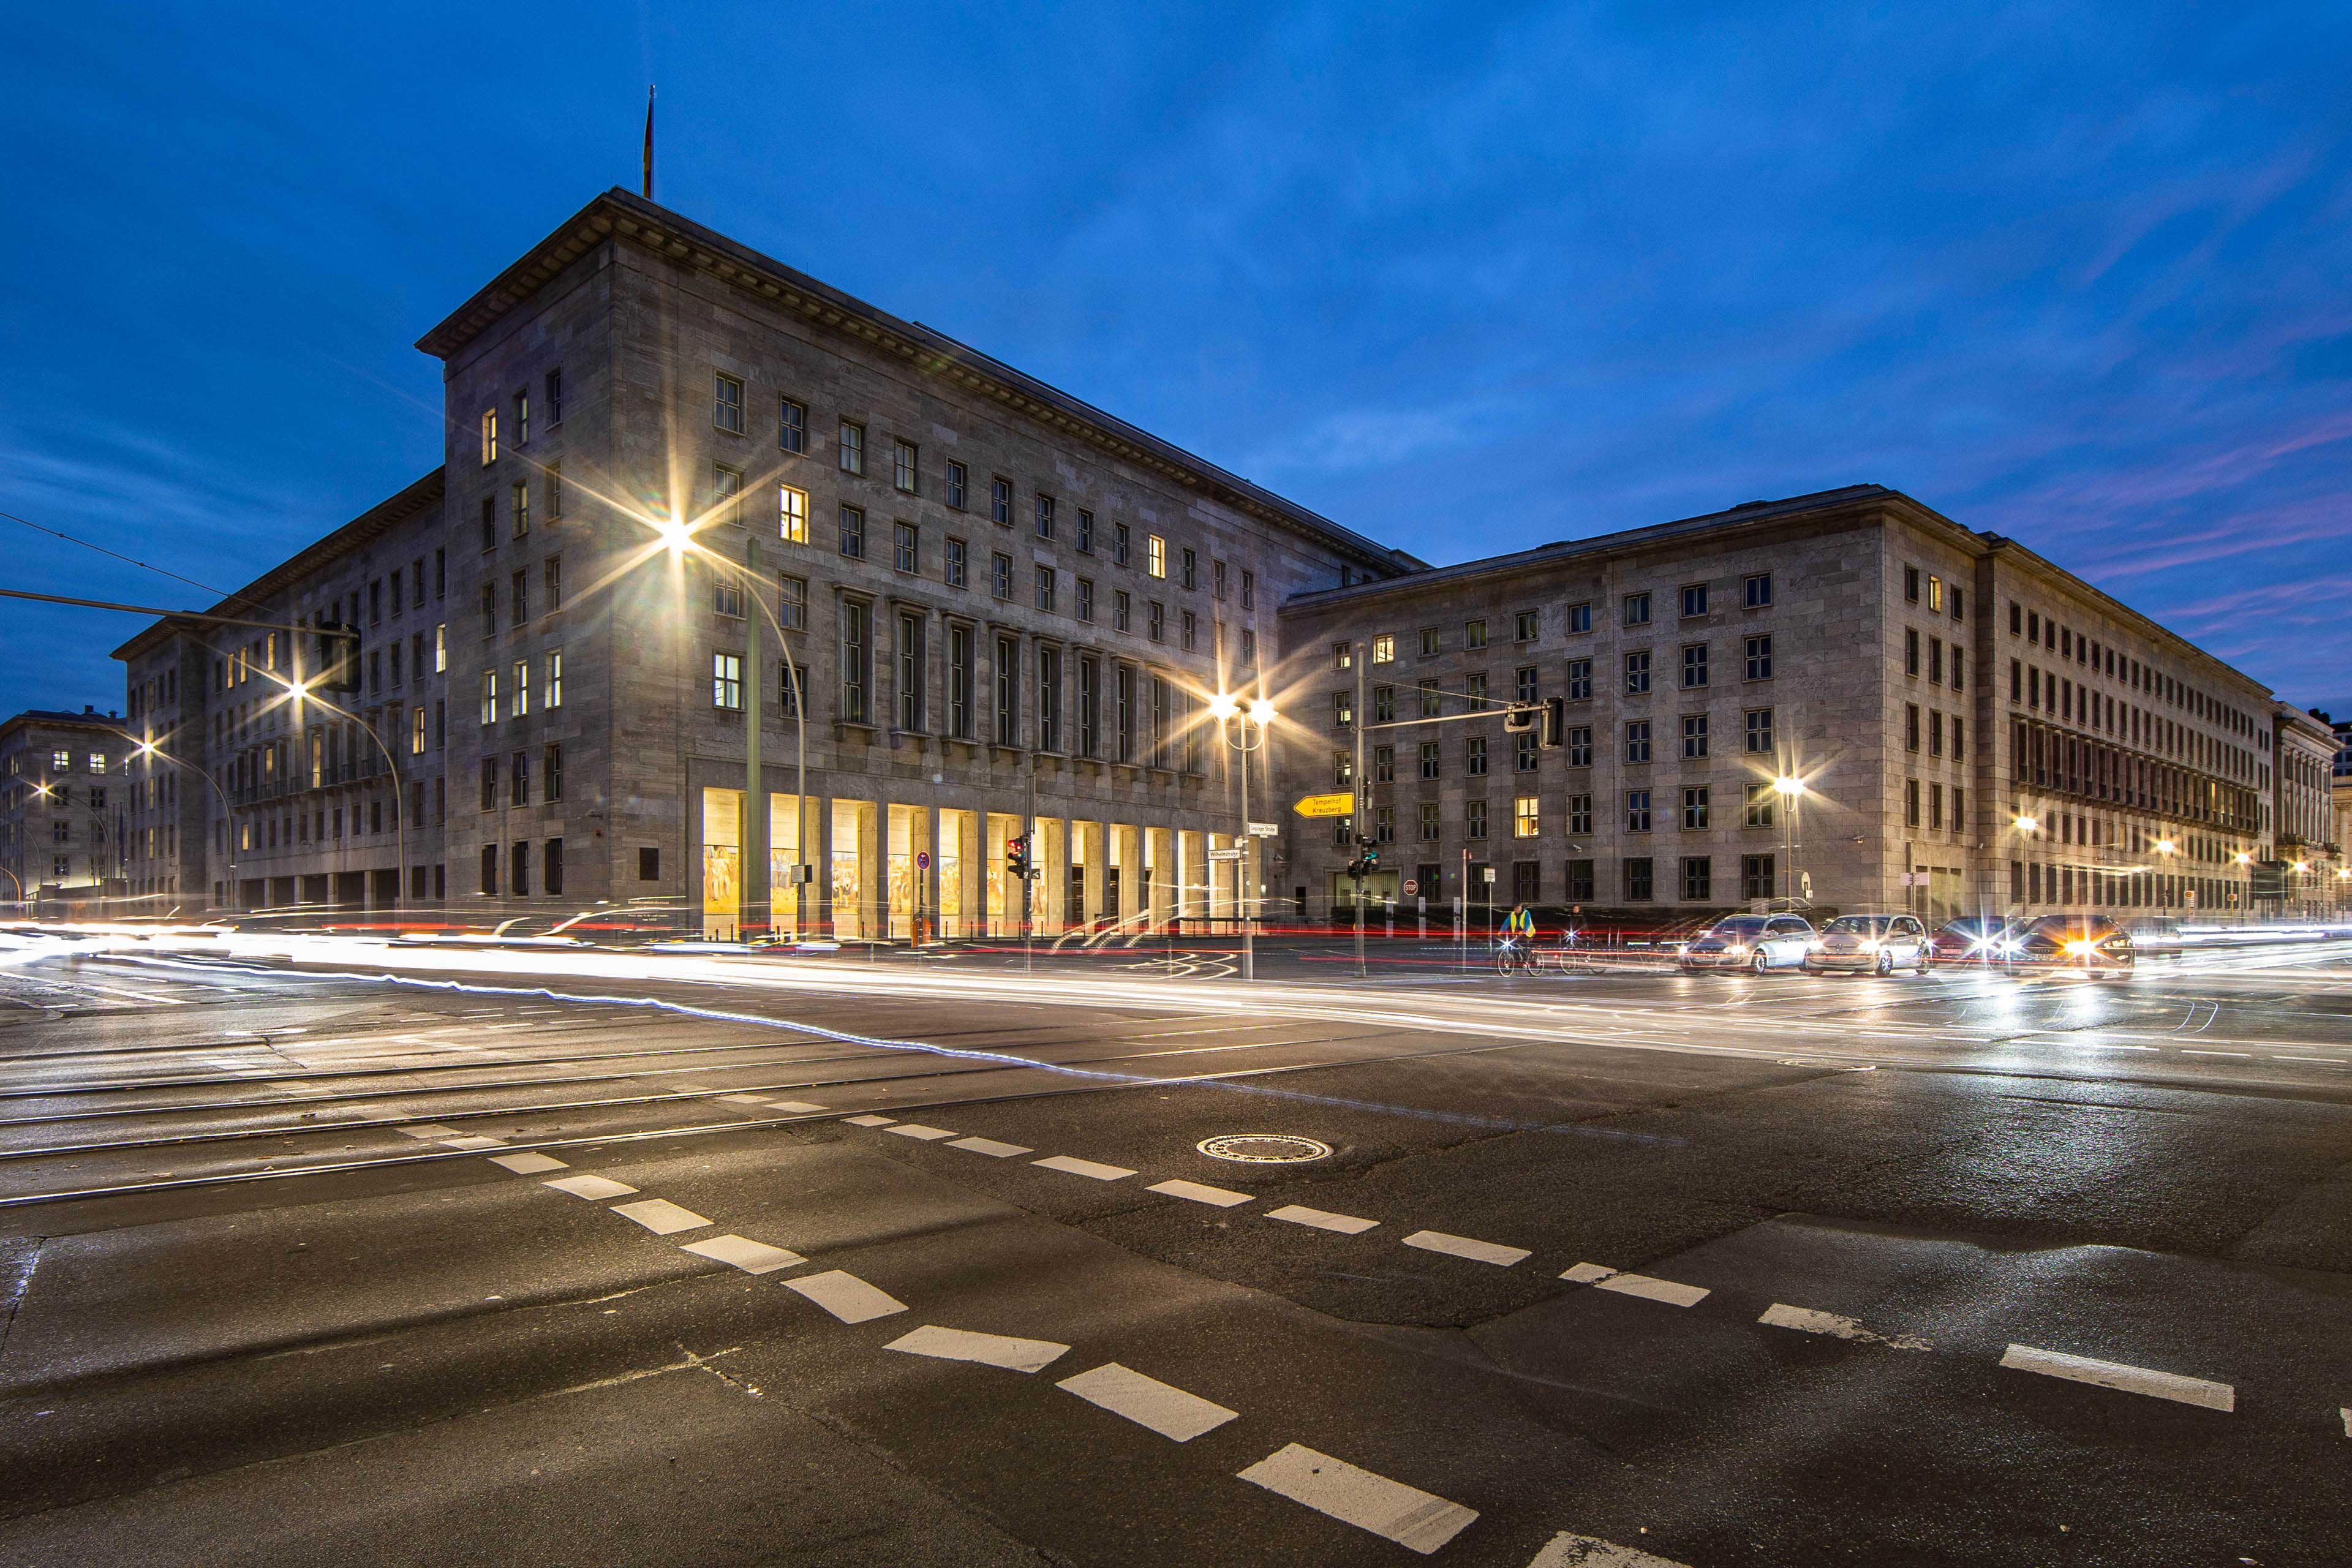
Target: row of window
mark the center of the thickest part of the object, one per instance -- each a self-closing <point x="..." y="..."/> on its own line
<point x="1696" y="740"/>
<point x="517" y="859"/>
<point x="1934" y="820"/>
<point x="518" y="598"/>
<point x="514" y="699"/>
<point x="1760" y="807"/>
<point x="1696" y="674"/>
<point x="1941" y="730"/>
<point x="517" y="787"/>
<point x="906" y="477"/>
<point x="517" y="430"/>
<point x="1119" y="711"/>
<point x="2039" y="689"/>
<point x="2067" y="643"/>
<point x="1527" y="625"/>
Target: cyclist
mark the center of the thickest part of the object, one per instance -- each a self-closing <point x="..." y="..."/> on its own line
<point x="1518" y="946"/>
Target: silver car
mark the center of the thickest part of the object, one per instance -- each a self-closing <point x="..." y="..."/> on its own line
<point x="1880" y="944"/>
<point x="1753" y="943"/>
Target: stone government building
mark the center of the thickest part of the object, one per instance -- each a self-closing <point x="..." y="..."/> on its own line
<point x="989" y="587"/>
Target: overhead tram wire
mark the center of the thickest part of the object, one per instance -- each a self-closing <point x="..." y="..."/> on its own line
<point x="132" y="560"/>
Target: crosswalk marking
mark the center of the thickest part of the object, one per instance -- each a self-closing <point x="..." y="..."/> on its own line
<point x="1345" y="1224"/>
<point x="1148" y="1402"/>
<point x="1195" y="1192"/>
<point x="591" y="1187"/>
<point x="1412" y="1518"/>
<point x="1568" y="1549"/>
<point x="2195" y="1391"/>
<point x="661" y="1216"/>
<point x="1464" y="1246"/>
<point x="990" y="1147"/>
<point x="917" y="1130"/>
<point x="529" y="1164"/>
<point x="741" y="1252"/>
<point x="847" y="1297"/>
<point x="1071" y="1166"/>
<point x="989" y="1350"/>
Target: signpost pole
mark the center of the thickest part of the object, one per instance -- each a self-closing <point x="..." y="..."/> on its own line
<point x="1241" y="871"/>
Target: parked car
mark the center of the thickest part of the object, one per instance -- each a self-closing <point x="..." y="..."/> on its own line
<point x="1754" y="943"/>
<point x="1880" y="944"/>
<point x="1982" y="939"/>
<point x="2091" y="944"/>
<point x="2155" y="937"/>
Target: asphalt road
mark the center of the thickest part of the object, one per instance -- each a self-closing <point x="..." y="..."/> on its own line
<point x="342" y="1254"/>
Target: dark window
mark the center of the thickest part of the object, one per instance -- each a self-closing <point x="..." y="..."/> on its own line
<point x="792" y="427"/>
<point x="959" y="482"/>
<point x="648" y="865"/>
<point x="1637" y="881"/>
<point x="1756" y="593"/>
<point x="1698" y="877"/>
<point x="1694" y="600"/>
<point x="852" y="534"/>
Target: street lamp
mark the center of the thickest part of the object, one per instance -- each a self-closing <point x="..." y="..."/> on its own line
<point x="147" y="748"/>
<point x="1260" y="711"/>
<point x="296" y="692"/>
<point x="1788" y="788"/>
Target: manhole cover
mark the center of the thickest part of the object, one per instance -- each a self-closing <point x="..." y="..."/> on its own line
<point x="1264" y="1148"/>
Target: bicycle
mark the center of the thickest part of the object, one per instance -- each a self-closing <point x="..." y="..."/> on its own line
<point x="1511" y="958"/>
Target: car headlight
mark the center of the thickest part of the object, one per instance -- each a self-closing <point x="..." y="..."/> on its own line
<point x="1812" y="947"/>
<point x="1733" y="950"/>
<point x="1870" y="946"/>
<point x="2082" y="947"/>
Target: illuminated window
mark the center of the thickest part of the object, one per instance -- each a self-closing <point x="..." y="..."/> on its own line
<point x="1155" y="554"/>
<point x="727" y="681"/>
<point x="555" y="678"/>
<point x="1527" y="818"/>
<point x="792" y="515"/>
<point x="1384" y="650"/>
<point x="441" y="648"/>
<point x="518" y="703"/>
<point x="489" y="436"/>
<point x="490" y="696"/>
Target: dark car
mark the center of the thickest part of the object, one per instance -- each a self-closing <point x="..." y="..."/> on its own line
<point x="2090" y="944"/>
<point x="1983" y="940"/>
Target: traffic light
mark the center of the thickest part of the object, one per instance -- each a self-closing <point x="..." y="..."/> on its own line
<point x="1555" y="722"/>
<point x="1016" y="857"/>
<point x="1518" y="719"/>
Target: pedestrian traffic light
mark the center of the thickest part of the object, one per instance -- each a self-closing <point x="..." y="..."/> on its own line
<point x="1016" y="857"/>
<point x="1518" y="720"/>
<point x="1555" y="722"/>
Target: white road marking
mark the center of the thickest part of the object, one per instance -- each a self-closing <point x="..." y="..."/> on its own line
<point x="742" y="1098"/>
<point x="661" y="1216"/>
<point x="798" y="1107"/>
<point x="990" y="1147"/>
<point x="1406" y="1515"/>
<point x="426" y="1134"/>
<point x="591" y="1187"/>
<point x="529" y="1164"/>
<point x="1587" y="1274"/>
<point x="1345" y="1225"/>
<point x="750" y="1257"/>
<point x="2244" y="1056"/>
<point x="917" y="1130"/>
<point x="1075" y="1167"/>
<point x="1464" y="1246"/>
<point x="2195" y="1391"/>
<point x="1804" y="1320"/>
<point x="1568" y="1551"/>
<point x="1649" y="1289"/>
<point x="1195" y="1192"/>
<point x="475" y="1141"/>
<point x="2331" y="1061"/>
<point x="869" y="1120"/>
<point x="1148" y="1402"/>
<point x="2346" y="1413"/>
<point x="847" y="1297"/>
<point x="990" y="1350"/>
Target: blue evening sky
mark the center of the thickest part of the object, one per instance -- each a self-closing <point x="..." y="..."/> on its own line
<point x="1467" y="278"/>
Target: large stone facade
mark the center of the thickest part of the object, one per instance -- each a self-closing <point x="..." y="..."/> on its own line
<point x="1970" y="727"/>
<point x="62" y="804"/>
<point x="676" y="468"/>
<point x="997" y="593"/>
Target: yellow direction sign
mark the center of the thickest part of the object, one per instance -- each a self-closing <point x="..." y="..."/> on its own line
<point x="1338" y="805"/>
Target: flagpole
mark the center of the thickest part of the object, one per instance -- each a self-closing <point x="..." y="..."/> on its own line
<point x="649" y="142"/>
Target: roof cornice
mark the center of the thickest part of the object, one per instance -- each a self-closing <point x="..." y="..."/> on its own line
<point x="617" y="214"/>
<point x="423" y="495"/>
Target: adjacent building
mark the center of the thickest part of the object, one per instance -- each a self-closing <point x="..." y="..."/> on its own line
<point x="727" y="575"/>
<point x="2303" y="879"/>
<point x="62" y="804"/>
<point x="1845" y="698"/>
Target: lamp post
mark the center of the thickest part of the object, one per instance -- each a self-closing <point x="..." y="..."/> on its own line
<point x="299" y="691"/>
<point x="1260" y="712"/>
<point x="1788" y="788"/>
<point x="146" y="750"/>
